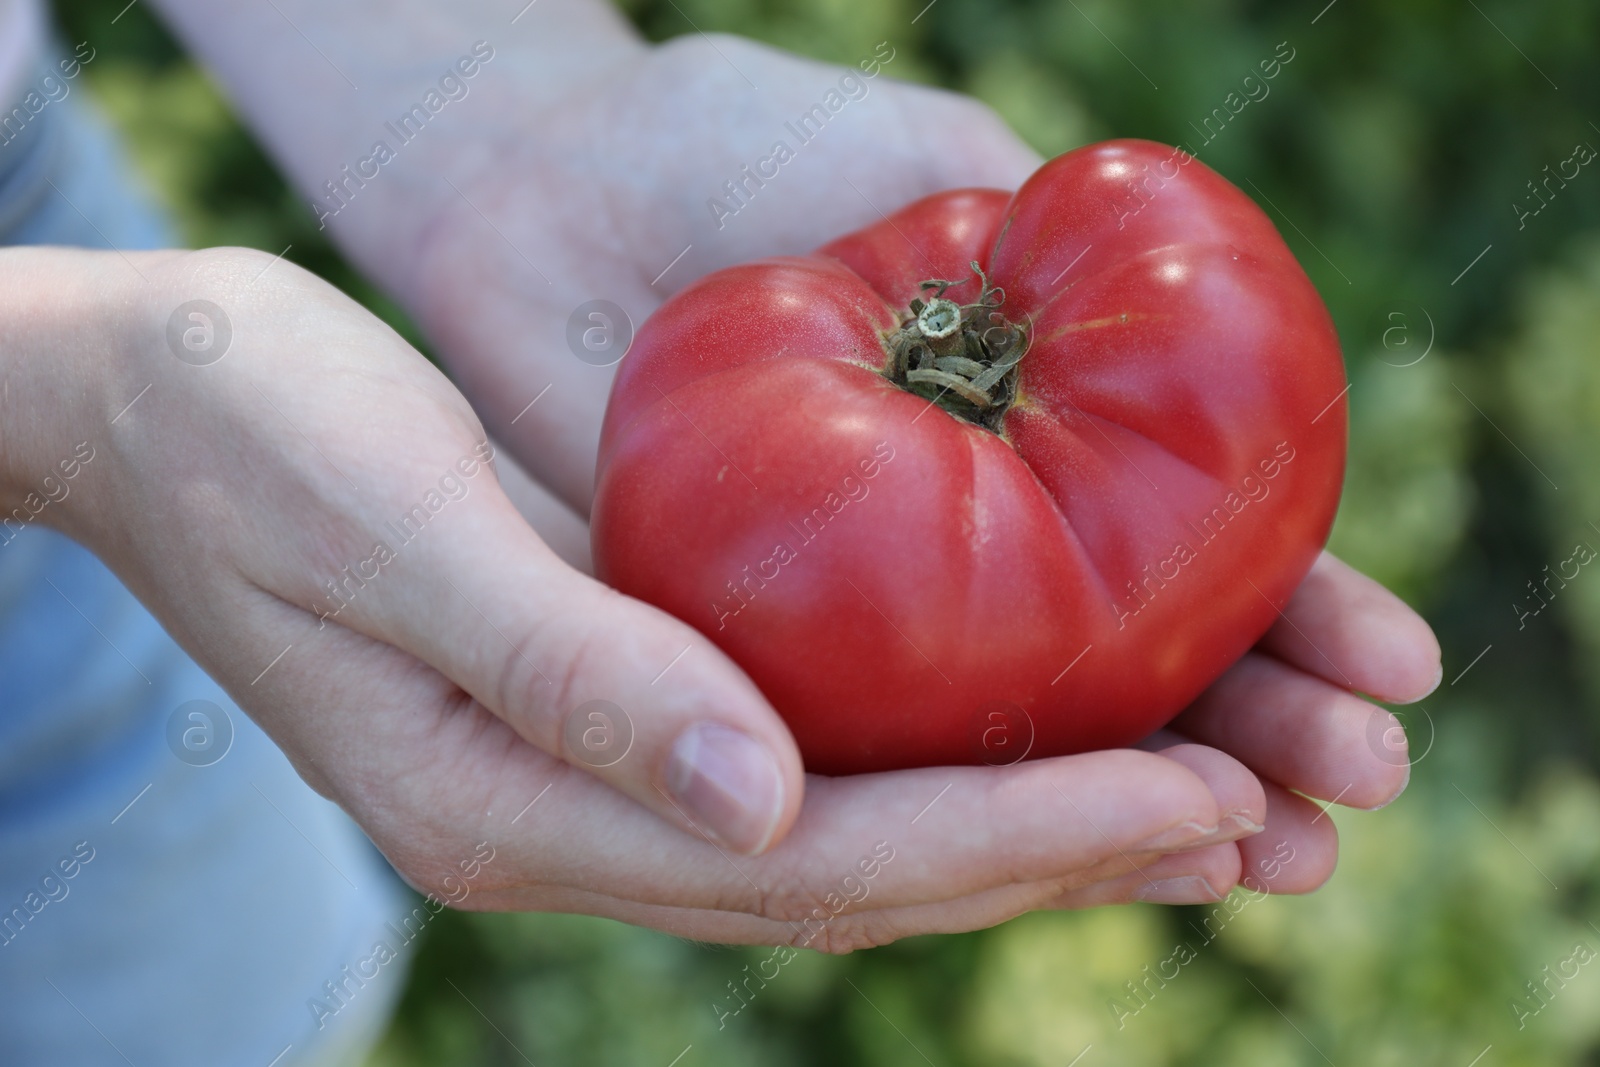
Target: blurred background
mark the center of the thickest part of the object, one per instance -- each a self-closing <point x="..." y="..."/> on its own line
<point x="1395" y="152"/>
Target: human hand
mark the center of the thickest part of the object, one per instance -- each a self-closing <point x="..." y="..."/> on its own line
<point x="576" y="162"/>
<point x="662" y="135"/>
<point x="992" y="843"/>
<point x="433" y="703"/>
<point x="664" y="141"/>
<point x="557" y="195"/>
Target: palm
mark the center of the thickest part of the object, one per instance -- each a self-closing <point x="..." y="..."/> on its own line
<point x="596" y="195"/>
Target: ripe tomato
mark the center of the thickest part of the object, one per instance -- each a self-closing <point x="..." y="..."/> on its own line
<point x="1001" y="475"/>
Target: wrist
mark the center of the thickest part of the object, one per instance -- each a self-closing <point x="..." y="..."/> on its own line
<point x="54" y="329"/>
<point x="72" y="364"/>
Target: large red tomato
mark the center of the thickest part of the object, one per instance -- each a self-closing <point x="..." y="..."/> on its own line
<point x="1035" y="510"/>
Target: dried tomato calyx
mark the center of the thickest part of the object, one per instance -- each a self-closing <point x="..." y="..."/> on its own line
<point x="962" y="357"/>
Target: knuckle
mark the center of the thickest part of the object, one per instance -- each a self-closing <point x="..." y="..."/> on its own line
<point x="537" y="700"/>
<point x="220" y="269"/>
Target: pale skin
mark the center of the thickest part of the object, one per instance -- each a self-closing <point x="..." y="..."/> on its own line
<point x="432" y="707"/>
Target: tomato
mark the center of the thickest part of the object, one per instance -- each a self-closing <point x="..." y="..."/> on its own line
<point x="1035" y="512"/>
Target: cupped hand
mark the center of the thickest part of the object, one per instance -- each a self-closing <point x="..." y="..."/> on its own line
<point x="873" y="858"/>
<point x="430" y="691"/>
<point x="634" y="157"/>
<point x="302" y="501"/>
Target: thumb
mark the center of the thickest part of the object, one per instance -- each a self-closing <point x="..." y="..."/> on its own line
<point x="604" y="682"/>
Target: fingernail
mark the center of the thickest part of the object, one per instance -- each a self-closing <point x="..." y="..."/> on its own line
<point x="1230" y="827"/>
<point x="1186" y="833"/>
<point x="1187" y="889"/>
<point x="728" y="783"/>
<point x="1238" y="823"/>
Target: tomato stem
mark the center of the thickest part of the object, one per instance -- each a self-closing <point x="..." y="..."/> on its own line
<point x="962" y="357"/>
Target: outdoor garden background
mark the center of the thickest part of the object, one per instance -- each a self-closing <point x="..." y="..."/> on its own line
<point x="1390" y="153"/>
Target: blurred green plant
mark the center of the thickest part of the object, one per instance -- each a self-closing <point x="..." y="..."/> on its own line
<point x="1408" y="494"/>
<point x="1391" y="152"/>
<point x="1551" y="373"/>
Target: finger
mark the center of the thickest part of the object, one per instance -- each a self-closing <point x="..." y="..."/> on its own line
<point x="967" y="831"/>
<point x="1301" y="732"/>
<point x="1296" y="853"/>
<point x="929" y="836"/>
<point x="601" y="681"/>
<point x="1200" y="877"/>
<point x="1344" y="627"/>
<point x="555" y="844"/>
<point x="920" y="837"/>
<point x="411" y="741"/>
<point x="1203" y="876"/>
<point x="1240" y="800"/>
<point x="943" y="833"/>
<point x="461" y="775"/>
<point x="833" y="933"/>
<point x="852" y="926"/>
<point x="957" y="831"/>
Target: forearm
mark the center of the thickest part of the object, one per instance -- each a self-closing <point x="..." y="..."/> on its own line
<point x="323" y="82"/>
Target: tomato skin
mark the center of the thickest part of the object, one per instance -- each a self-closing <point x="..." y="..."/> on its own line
<point x="887" y="572"/>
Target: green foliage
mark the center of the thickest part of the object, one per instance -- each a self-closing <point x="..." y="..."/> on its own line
<point x="1390" y="152"/>
<point x="1551" y="373"/>
<point x="1408" y="494"/>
